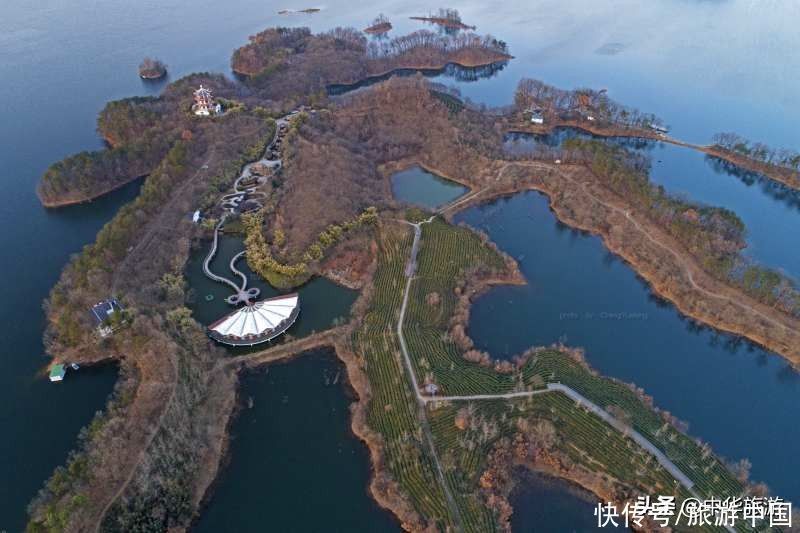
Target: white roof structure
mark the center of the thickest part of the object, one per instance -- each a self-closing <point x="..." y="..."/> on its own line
<point x="258" y="322"/>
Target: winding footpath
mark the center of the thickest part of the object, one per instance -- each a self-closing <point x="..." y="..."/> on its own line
<point x="212" y="253"/>
<point x="424" y="399"/>
<point x="229" y="203"/>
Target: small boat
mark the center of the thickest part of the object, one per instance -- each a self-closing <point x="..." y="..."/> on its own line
<point x="74" y="366"/>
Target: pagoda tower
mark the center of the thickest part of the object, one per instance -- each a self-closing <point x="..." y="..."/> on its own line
<point x="204" y="102"/>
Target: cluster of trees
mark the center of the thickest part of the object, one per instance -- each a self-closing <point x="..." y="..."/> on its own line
<point x="89" y="174"/>
<point x="435" y="43"/>
<point x="766" y="285"/>
<point x="379" y="25"/>
<point x="449" y="19"/>
<point x="782" y="157"/>
<point x="152" y="68"/>
<point x="714" y="235"/>
<point x="124" y="121"/>
<point x="579" y="103"/>
<point x="268" y="49"/>
<point x="448" y="14"/>
<point x="261" y="260"/>
<point x="308" y="63"/>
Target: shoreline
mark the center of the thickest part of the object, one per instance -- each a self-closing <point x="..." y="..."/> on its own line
<point x="51" y="204"/>
<point x="646" y="264"/>
<point x="438" y="67"/>
<point x="781" y="175"/>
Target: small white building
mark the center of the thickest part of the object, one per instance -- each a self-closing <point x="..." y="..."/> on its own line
<point x="537" y="115"/>
<point x="57" y="373"/>
<point x="431" y="389"/>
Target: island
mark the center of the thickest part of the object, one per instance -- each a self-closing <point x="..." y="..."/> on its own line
<point x="380" y="25"/>
<point x="152" y="69"/>
<point x="449" y="19"/>
<point x="445" y="423"/>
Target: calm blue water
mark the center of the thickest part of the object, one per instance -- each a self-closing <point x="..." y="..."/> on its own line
<point x="322" y="302"/>
<point x="703" y="66"/>
<point x="417" y="186"/>
<point x="546" y="505"/>
<point x="736" y="396"/>
<point x="767" y="209"/>
<point x="295" y="465"/>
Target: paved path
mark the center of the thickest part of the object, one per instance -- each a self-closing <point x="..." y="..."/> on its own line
<point x="423" y="399"/>
<point x="238" y="272"/>
<point x="230" y="209"/>
<point x="285" y="349"/>
<point x="637" y="437"/>
<point x="211" y="253"/>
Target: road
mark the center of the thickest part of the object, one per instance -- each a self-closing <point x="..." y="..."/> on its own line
<point x="424" y="399"/>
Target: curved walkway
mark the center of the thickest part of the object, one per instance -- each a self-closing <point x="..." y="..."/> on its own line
<point x="238" y="272"/>
<point x="211" y="253"/>
<point x="229" y="202"/>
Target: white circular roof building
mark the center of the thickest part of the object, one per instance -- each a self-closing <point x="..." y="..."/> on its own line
<point x="257" y="322"/>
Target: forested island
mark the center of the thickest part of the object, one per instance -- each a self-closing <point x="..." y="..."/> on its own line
<point x="380" y="25"/>
<point x="445" y="423"/>
<point x="449" y="19"/>
<point x="152" y="69"/>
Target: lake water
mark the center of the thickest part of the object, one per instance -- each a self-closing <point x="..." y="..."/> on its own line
<point x="295" y="465"/>
<point x="733" y="395"/>
<point x="546" y="505"/>
<point x="764" y="206"/>
<point x="702" y="66"/>
<point x="419" y="187"/>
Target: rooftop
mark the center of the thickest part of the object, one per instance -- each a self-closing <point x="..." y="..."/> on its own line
<point x="258" y="322"/>
<point x="102" y="311"/>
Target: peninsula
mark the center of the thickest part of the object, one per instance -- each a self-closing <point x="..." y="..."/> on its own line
<point x="444" y="422"/>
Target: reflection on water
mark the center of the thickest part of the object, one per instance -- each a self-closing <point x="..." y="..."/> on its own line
<point x="543" y="504"/>
<point x="417" y="186"/>
<point x="322" y="302"/>
<point x="702" y="66"/>
<point x="294" y="463"/>
<point x="765" y="210"/>
<point x="450" y="72"/>
<point x="575" y="294"/>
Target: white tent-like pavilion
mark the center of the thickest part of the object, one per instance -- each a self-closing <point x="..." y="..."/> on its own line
<point x="258" y="322"/>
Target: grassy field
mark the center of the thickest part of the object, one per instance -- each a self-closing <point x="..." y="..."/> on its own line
<point x="447" y="256"/>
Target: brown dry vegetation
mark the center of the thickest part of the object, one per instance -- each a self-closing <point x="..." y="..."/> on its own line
<point x="149" y="461"/>
<point x="292" y="63"/>
<point x="139" y="131"/>
<point x="332" y="168"/>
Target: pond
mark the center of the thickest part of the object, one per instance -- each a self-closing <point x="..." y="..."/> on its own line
<point x="734" y="395"/>
<point x="419" y="187"/>
<point x="295" y="465"/>
<point x="323" y="303"/>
